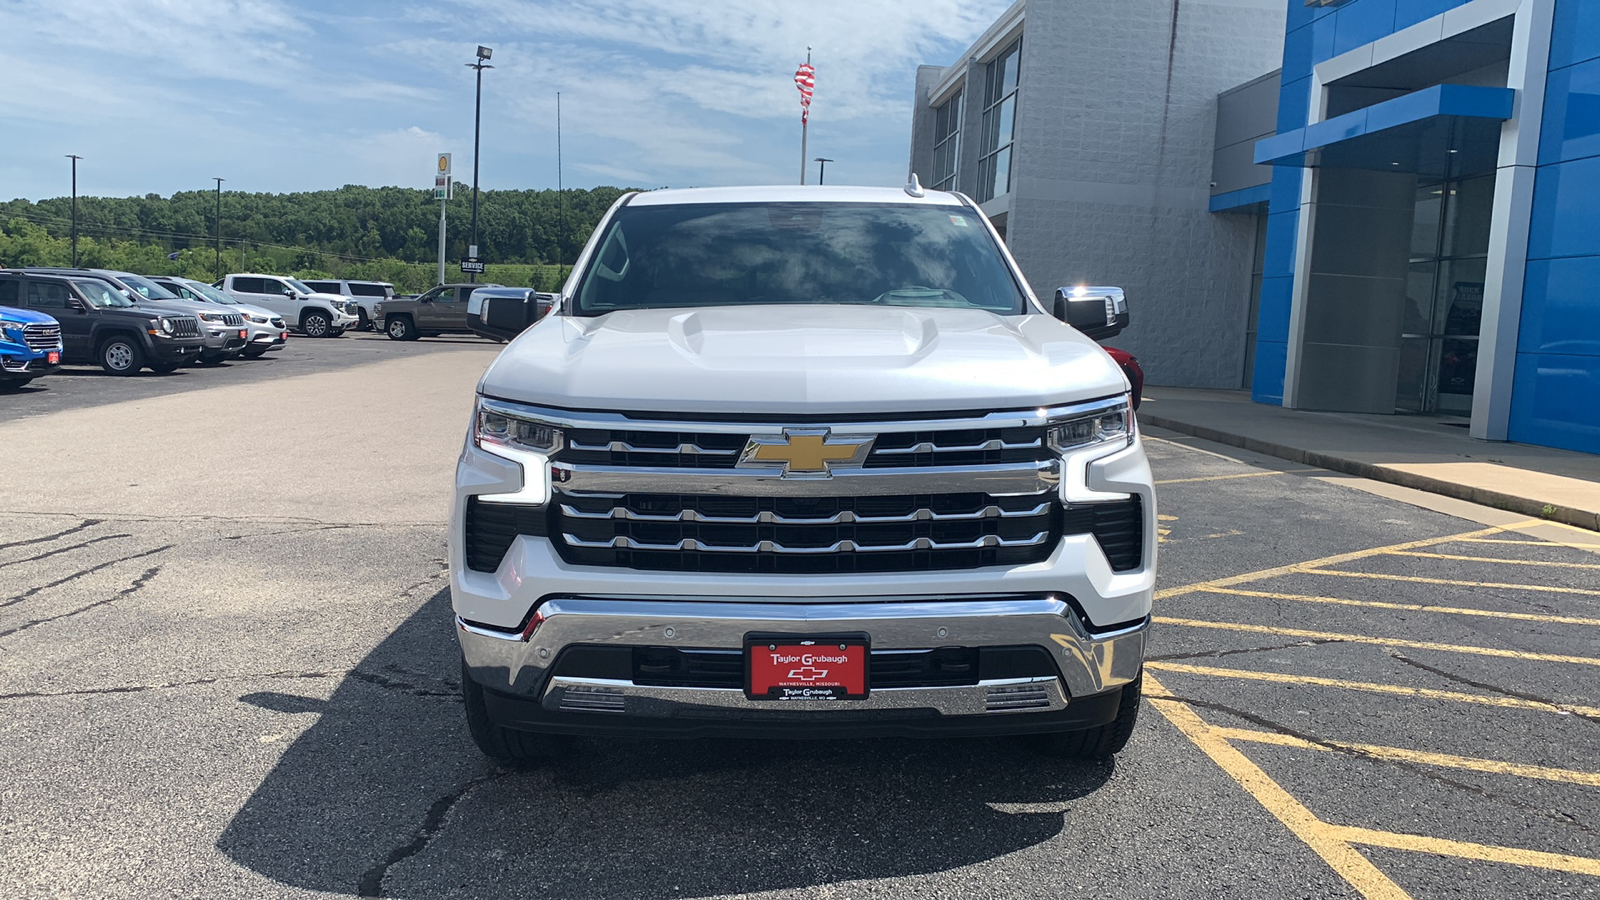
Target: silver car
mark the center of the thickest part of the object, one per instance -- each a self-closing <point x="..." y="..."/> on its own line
<point x="267" y="329"/>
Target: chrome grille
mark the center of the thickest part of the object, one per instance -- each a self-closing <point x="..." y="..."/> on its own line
<point x="42" y="337"/>
<point x="802" y="534"/>
<point x="277" y="322"/>
<point x="233" y="319"/>
<point x="719" y="450"/>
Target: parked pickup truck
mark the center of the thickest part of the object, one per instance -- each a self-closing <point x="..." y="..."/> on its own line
<point x="30" y="342"/>
<point x="441" y="310"/>
<point x="803" y="462"/>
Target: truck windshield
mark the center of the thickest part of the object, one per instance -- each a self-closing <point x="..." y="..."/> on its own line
<point x="729" y="254"/>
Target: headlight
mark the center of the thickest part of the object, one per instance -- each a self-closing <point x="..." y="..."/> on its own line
<point x="1087" y="437"/>
<point x="1098" y="427"/>
<point x="259" y="320"/>
<point x="377" y="308"/>
<point x="12" y="332"/>
<point x="527" y="442"/>
<point x="166" y="326"/>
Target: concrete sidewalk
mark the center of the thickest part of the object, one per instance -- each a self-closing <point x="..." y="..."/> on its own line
<point x="1414" y="451"/>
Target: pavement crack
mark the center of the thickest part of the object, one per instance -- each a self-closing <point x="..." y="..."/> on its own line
<point x="405" y="687"/>
<point x="371" y="883"/>
<point x="307" y="529"/>
<point x="10" y="601"/>
<point x="1216" y="654"/>
<point x="166" y="685"/>
<point x="68" y="549"/>
<point x="137" y="585"/>
<point x="1485" y="686"/>
<point x="86" y="523"/>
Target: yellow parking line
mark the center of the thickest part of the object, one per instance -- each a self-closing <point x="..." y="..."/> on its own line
<point x="1408" y="607"/>
<point x="1195" y="449"/>
<point x="1503" y="702"/>
<point x="1488" y="559"/>
<point x="1380" y="641"/>
<point x="1400" y="754"/>
<point x="1335" y="560"/>
<point x="1231" y="477"/>
<point x="1418" y="579"/>
<point x="1559" y="862"/>
<point x="1321" y="837"/>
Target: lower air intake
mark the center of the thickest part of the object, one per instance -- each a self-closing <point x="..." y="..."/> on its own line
<point x="593" y="699"/>
<point x="1022" y="697"/>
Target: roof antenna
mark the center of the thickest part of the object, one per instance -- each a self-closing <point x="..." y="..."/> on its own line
<point x="914" y="187"/>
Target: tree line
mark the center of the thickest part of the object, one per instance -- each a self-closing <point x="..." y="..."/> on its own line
<point x="386" y="234"/>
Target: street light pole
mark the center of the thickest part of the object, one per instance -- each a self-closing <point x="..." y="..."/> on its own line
<point x="822" y="169"/>
<point x="477" y="118"/>
<point x="74" y="159"/>
<point x="219" y="226"/>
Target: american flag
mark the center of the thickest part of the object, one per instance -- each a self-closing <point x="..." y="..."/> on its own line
<point x="805" y="78"/>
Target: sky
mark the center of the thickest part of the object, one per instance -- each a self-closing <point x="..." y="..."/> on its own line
<point x="159" y="96"/>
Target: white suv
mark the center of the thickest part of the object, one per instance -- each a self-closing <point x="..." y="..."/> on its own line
<point x="366" y="294"/>
<point x="316" y="314"/>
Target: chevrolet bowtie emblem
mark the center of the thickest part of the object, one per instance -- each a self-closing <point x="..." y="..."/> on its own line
<point x="806" y="452"/>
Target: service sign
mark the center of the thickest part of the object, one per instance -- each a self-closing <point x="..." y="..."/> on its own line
<point x="472" y="266"/>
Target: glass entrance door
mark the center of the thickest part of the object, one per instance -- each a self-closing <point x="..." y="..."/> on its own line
<point x="1444" y="296"/>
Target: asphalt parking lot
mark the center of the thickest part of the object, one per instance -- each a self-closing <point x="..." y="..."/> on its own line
<point x="227" y="669"/>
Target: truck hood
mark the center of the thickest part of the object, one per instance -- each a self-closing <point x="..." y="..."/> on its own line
<point x="14" y="316"/>
<point x="801" y="361"/>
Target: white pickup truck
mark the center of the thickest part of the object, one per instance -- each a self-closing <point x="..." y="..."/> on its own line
<point x="803" y="462"/>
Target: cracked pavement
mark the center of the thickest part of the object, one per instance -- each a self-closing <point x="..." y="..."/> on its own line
<point x="248" y="686"/>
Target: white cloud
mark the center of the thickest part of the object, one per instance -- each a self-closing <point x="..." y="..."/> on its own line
<point x="293" y="94"/>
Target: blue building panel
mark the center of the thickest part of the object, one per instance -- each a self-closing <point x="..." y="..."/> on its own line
<point x="1294" y="104"/>
<point x="1266" y="383"/>
<point x="1360" y="22"/>
<point x="1560" y="309"/>
<point x="1283" y="230"/>
<point x="1286" y="184"/>
<point x="1277" y="298"/>
<point x="1566" y="216"/>
<point x="1409" y="12"/>
<point x="1571" y="114"/>
<point x="1306" y="46"/>
<point x="1553" y="403"/>
<point x="1576" y="37"/>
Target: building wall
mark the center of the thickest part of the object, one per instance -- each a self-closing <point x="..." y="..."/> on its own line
<point x="1314" y="34"/>
<point x="1112" y="169"/>
<point x="1556" y="398"/>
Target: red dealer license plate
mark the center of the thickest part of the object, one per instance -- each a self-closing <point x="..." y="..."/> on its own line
<point x="53" y="358"/>
<point x="808" y="667"/>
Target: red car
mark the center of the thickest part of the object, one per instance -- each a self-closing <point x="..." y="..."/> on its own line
<point x="1130" y="367"/>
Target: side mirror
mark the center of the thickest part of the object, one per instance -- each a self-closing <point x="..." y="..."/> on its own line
<point x="1098" y="312"/>
<point x="507" y="317"/>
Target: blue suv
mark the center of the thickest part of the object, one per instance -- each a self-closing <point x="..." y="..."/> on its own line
<point x="30" y="346"/>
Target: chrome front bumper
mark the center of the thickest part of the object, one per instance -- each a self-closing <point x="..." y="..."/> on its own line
<point x="1088" y="664"/>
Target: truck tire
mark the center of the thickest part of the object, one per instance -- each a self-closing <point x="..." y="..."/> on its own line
<point x="504" y="744"/>
<point x="120" y="354"/>
<point x="400" y="328"/>
<point x="316" y="324"/>
<point x="1103" y="741"/>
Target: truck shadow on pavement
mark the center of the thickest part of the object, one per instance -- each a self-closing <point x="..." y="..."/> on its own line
<point x="385" y="795"/>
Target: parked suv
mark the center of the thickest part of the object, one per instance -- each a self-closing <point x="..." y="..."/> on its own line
<point x="101" y="325"/>
<point x="803" y="462"/>
<point x="442" y="310"/>
<point x="366" y="294"/>
<point x="30" y="342"/>
<point x="265" y="328"/>
<point x="316" y="314"/>
<point x="223" y="331"/>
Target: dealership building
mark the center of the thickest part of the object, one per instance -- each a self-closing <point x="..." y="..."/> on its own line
<point x="1379" y="206"/>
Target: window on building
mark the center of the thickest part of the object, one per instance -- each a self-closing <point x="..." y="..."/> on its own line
<point x="999" y="116"/>
<point x="946" y="143"/>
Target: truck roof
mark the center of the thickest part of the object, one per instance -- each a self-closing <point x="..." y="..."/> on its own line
<point x="793" y="194"/>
